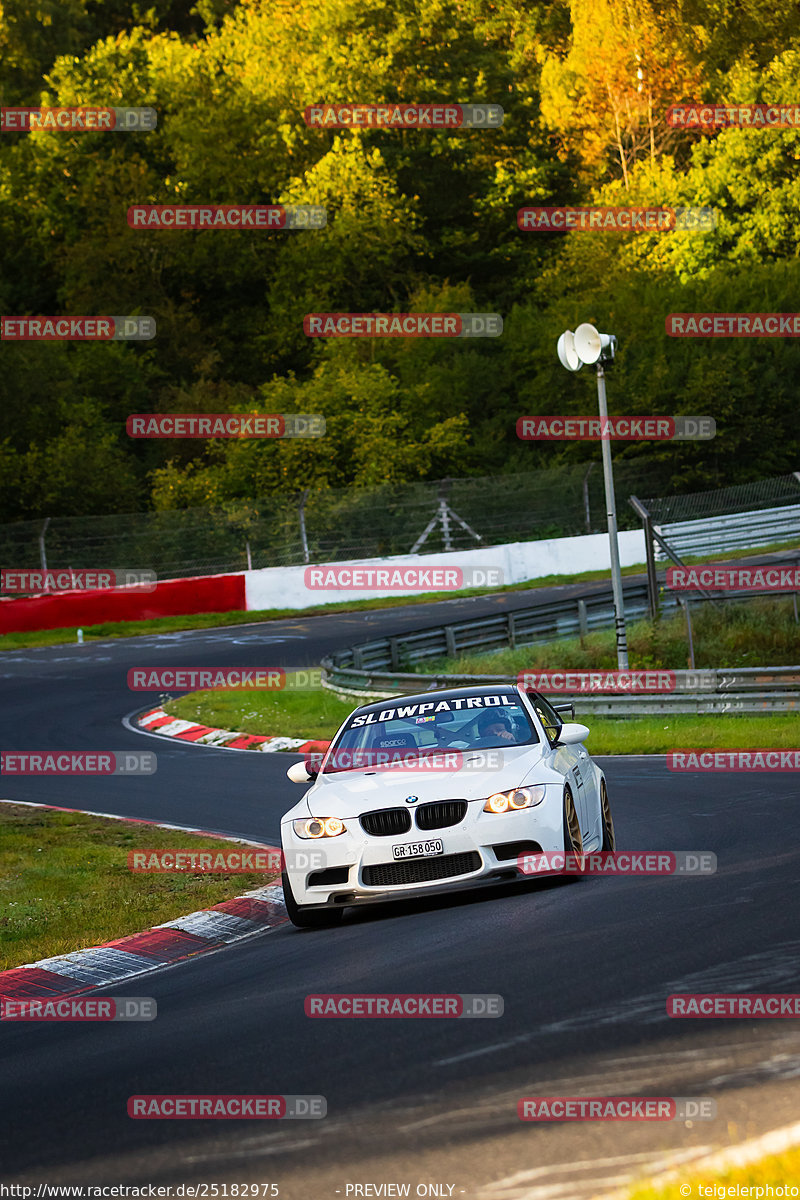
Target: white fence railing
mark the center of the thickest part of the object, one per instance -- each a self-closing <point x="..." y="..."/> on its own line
<point x="734" y="531"/>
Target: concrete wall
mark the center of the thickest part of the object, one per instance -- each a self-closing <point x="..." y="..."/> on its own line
<point x="285" y="587"/>
<point x="169" y="598"/>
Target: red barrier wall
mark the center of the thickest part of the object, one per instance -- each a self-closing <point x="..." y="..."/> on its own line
<point x="170" y="598"/>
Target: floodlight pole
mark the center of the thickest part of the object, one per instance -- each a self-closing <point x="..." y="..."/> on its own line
<point x="611" y="508"/>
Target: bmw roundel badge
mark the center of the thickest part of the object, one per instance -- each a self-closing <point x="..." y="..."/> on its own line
<point x="412" y="799"/>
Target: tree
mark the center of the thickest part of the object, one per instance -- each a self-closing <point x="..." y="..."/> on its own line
<point x="624" y="66"/>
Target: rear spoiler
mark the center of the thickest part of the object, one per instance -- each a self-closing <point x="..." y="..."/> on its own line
<point x="570" y="708"/>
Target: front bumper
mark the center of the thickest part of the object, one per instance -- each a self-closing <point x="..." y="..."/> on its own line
<point x="358" y="868"/>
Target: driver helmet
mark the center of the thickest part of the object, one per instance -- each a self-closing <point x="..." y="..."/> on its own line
<point x="487" y="719"/>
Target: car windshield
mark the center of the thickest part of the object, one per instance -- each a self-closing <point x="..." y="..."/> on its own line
<point x="400" y="732"/>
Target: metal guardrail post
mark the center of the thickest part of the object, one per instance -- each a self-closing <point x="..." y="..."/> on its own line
<point x="301" y="512"/>
<point x="685" y="605"/>
<point x="680" y="563"/>
<point x="42" y="555"/>
<point x="650" y="555"/>
<point x="586" y="509"/>
<point x="583" y="619"/>
<point x="450" y="638"/>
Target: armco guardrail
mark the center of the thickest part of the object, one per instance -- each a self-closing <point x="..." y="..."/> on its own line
<point x="375" y="668"/>
<point x="734" y="531"/>
<point x="541" y="622"/>
<point x="753" y="690"/>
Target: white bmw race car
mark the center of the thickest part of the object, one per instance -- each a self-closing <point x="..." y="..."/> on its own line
<point x="442" y="790"/>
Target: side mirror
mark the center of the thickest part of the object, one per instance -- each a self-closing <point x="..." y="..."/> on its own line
<point x="571" y="733"/>
<point x="299" y="773"/>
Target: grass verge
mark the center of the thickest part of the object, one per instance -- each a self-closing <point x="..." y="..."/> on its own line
<point x="751" y="633"/>
<point x="306" y="713"/>
<point x="317" y="713"/>
<point x="65" y="883"/>
<point x="777" y="1170"/>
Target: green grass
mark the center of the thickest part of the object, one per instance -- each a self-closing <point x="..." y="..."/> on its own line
<point x="777" y="1170"/>
<point x="306" y="713"/>
<point x="687" y="731"/>
<point x="123" y="629"/>
<point x="65" y="883"/>
<point x="753" y="633"/>
<point x="318" y="713"/>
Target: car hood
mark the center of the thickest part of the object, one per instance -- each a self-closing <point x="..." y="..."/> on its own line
<point x="351" y="793"/>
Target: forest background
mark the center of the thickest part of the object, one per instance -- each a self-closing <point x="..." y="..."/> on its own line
<point x="417" y="221"/>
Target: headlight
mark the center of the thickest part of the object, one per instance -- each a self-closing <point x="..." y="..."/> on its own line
<point x="318" y="827"/>
<point x="525" y="797"/>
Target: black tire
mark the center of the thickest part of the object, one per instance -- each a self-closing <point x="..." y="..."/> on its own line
<point x="573" y="841"/>
<point x="609" y="841"/>
<point x="308" y="918"/>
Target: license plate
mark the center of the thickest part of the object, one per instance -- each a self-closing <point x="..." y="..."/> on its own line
<point x="418" y="849"/>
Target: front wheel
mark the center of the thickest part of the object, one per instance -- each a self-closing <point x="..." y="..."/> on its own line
<point x="606" y="818"/>
<point x="308" y="918"/>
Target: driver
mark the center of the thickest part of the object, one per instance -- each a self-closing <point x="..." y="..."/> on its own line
<point x="494" y="727"/>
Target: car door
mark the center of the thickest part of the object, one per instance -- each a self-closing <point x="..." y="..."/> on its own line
<point x="571" y="761"/>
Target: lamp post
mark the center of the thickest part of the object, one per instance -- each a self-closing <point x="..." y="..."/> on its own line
<point x="588" y="346"/>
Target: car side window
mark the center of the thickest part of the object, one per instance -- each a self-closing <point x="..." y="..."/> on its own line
<point x="548" y="716"/>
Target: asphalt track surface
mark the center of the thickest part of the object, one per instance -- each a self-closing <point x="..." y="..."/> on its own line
<point x="584" y="968"/>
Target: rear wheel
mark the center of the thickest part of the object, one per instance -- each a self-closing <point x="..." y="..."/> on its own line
<point x="308" y="918"/>
<point x="607" y="819"/>
<point x="573" y="842"/>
